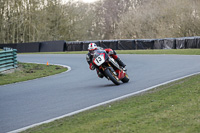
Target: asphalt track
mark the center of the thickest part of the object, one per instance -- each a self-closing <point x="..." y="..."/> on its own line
<point x="27" y="103"/>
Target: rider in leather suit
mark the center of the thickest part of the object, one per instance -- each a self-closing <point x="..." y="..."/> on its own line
<point x="92" y="47"/>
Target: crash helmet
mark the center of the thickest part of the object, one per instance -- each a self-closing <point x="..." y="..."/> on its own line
<point x="92" y="47"/>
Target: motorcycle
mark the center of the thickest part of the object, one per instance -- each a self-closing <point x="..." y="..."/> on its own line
<point x="109" y="67"/>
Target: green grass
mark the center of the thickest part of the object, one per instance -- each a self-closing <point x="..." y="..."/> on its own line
<point x="163" y="51"/>
<point x="28" y="71"/>
<point x="172" y="108"/>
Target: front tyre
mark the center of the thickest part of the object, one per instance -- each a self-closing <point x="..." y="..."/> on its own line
<point x="112" y="77"/>
<point x="125" y="79"/>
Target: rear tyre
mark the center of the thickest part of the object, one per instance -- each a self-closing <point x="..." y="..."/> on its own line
<point x="112" y="77"/>
<point x="125" y="79"/>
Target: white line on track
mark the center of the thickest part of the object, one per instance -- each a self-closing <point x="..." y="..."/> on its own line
<point x="103" y="103"/>
<point x="68" y="67"/>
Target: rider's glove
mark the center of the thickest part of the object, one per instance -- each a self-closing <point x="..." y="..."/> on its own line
<point x="91" y="67"/>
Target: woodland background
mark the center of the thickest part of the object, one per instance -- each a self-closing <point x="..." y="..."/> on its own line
<point x="45" y="20"/>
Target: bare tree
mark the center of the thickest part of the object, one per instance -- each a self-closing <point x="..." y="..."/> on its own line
<point x="161" y="19"/>
<point x="42" y="20"/>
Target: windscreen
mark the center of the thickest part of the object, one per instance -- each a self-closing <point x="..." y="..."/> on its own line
<point x="98" y="52"/>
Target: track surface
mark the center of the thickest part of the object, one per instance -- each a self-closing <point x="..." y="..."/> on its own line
<point x="26" y="103"/>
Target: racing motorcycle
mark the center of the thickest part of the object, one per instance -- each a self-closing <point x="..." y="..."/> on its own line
<point x="109" y="67"/>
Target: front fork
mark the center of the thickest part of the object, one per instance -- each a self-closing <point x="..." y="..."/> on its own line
<point x="109" y="67"/>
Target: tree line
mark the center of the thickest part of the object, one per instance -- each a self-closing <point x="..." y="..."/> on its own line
<point x="46" y="20"/>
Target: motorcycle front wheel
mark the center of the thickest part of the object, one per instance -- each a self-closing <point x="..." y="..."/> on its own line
<point x="125" y="79"/>
<point x="111" y="76"/>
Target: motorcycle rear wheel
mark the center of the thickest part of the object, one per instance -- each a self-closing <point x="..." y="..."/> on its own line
<point x="111" y="76"/>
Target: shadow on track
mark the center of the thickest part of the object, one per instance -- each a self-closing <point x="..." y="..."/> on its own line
<point x="110" y="85"/>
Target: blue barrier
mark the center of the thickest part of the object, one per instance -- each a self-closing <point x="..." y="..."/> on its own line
<point x="8" y="59"/>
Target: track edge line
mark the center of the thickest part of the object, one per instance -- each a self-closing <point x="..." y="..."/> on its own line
<point x="100" y="104"/>
<point x="68" y="67"/>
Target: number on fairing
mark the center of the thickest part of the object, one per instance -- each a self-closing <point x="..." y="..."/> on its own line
<point x="99" y="60"/>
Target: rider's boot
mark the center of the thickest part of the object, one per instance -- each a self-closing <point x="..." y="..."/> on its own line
<point x="119" y="61"/>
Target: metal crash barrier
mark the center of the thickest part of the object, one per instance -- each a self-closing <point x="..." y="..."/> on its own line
<point x="8" y="59"/>
<point x="125" y="44"/>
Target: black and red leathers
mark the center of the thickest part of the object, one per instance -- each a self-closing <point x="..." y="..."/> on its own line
<point x="111" y="52"/>
<point x="89" y="57"/>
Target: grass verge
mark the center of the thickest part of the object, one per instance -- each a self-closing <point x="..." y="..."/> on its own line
<point x="28" y="71"/>
<point x="173" y="108"/>
<point x="160" y="51"/>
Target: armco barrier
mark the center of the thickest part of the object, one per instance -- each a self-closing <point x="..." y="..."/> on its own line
<point x="113" y="44"/>
<point x="180" y="43"/>
<point x="169" y="43"/>
<point x="198" y="41"/>
<point x="74" y="46"/>
<point x="28" y="47"/>
<point x="13" y="46"/>
<point x="52" y="46"/>
<point x="8" y="59"/>
<point x="125" y="44"/>
<point x="158" y="44"/>
<point x="190" y="42"/>
<point x="144" y="43"/>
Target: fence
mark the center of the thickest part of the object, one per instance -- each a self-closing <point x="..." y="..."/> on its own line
<point x="8" y="59"/>
<point x="126" y="44"/>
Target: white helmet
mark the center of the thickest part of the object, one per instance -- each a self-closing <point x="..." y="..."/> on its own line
<point x="92" y="46"/>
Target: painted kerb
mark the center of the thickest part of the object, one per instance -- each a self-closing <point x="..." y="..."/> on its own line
<point x="8" y="59"/>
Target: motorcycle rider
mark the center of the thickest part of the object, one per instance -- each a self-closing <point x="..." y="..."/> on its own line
<point x="92" y="47"/>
